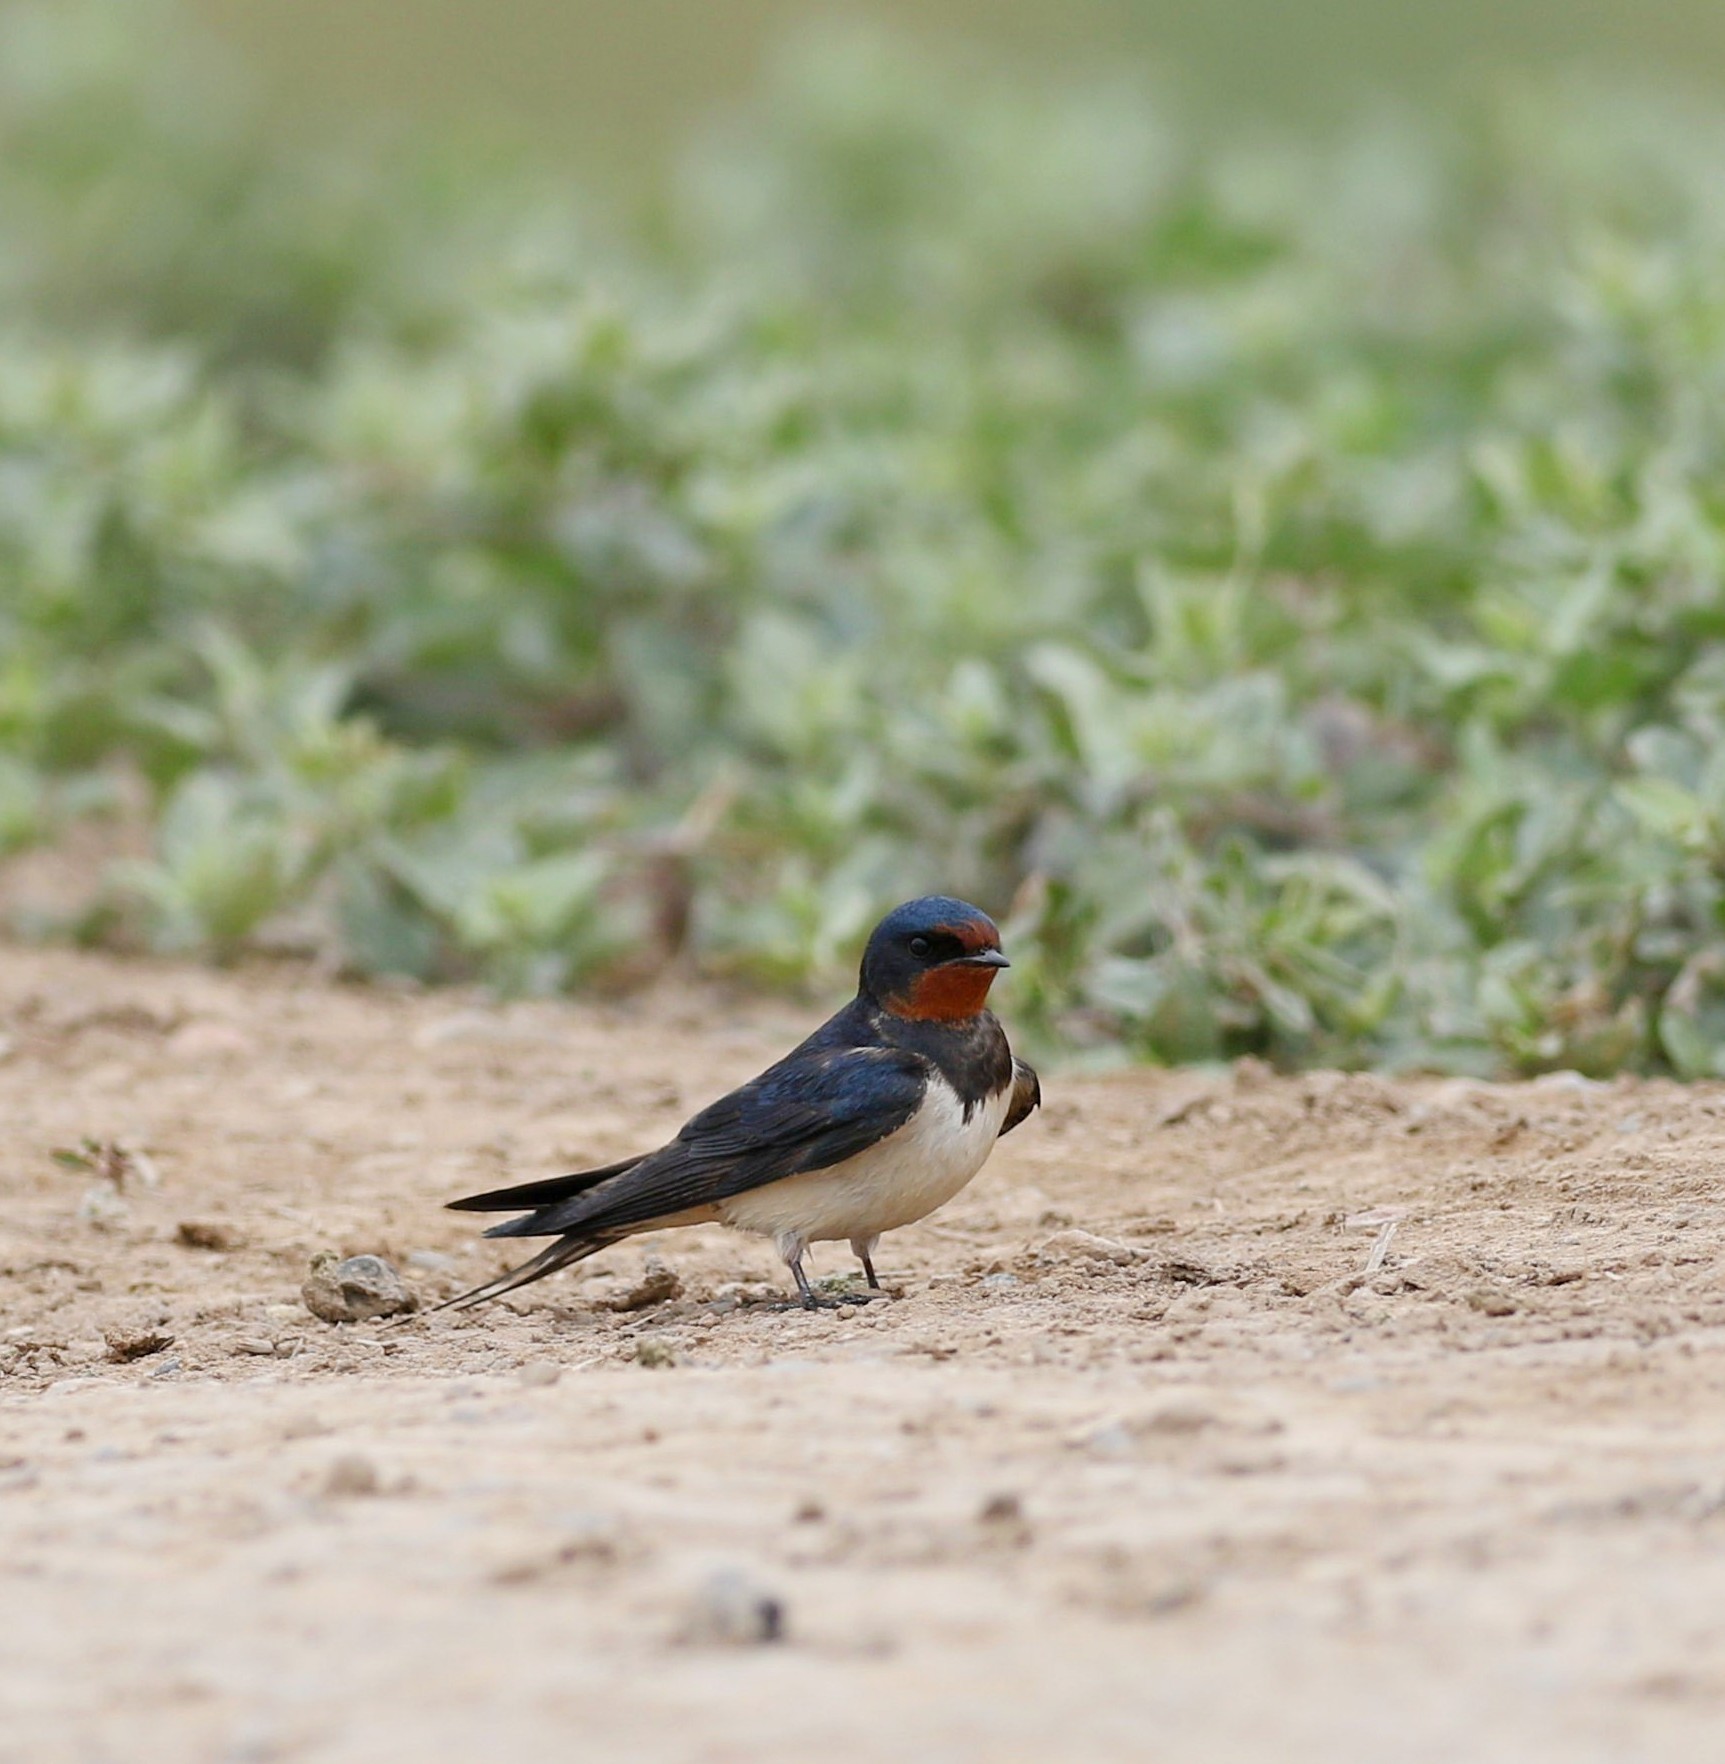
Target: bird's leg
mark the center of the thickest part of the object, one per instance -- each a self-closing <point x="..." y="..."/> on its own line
<point x="863" y="1249"/>
<point x="792" y="1251"/>
<point x="822" y="1301"/>
<point x="792" y="1246"/>
<point x="804" y="1290"/>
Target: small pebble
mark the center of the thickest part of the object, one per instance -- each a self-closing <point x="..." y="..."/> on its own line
<point x="732" y="1609"/>
<point x="657" y="1284"/>
<point x="1109" y="1441"/>
<point x="359" y="1287"/>
<point x="1003" y="1523"/>
<point x="102" y="1209"/>
<point x="746" y="1292"/>
<point x="207" y="1038"/>
<point x="349" y="1476"/>
<point x="205" y="1234"/>
<point x="134" y="1344"/>
<point x="462" y="1026"/>
<point x="540" y="1374"/>
<point x="1086" y="1246"/>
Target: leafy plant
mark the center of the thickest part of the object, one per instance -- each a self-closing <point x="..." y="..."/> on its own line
<point x="1285" y="584"/>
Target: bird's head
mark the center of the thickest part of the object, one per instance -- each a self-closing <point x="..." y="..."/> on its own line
<point x="932" y="960"/>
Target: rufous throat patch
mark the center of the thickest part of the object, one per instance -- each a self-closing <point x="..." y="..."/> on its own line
<point x="946" y="994"/>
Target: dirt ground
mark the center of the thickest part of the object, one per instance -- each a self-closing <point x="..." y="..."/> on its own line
<point x="1255" y="1476"/>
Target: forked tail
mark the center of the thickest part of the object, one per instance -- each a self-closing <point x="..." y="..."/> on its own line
<point x="554" y="1256"/>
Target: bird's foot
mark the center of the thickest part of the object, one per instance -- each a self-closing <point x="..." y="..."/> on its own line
<point x="835" y="1294"/>
<point x="833" y="1301"/>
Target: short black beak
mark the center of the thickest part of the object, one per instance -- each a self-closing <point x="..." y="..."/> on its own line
<point x="984" y="958"/>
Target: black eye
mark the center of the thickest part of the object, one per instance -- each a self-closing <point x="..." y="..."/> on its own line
<point x="919" y="946"/>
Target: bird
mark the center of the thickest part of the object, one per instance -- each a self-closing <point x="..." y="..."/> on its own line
<point x="878" y="1118"/>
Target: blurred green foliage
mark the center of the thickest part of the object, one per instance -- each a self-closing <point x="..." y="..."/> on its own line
<point x="1286" y="585"/>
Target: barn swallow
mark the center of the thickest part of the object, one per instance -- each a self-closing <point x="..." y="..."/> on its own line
<point x="882" y="1115"/>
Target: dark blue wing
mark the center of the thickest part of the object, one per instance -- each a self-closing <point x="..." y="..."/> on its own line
<point x="817" y="1107"/>
<point x="1026" y="1096"/>
<point x="521" y="1195"/>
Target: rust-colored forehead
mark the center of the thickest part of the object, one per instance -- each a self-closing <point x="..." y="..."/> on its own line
<point x="972" y="934"/>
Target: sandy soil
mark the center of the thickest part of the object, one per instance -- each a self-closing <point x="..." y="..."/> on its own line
<point x="1255" y="1477"/>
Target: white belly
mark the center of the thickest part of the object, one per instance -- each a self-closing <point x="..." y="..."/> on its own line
<point x="901" y="1179"/>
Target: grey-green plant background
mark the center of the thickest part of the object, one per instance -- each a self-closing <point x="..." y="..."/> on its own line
<point x="1282" y="578"/>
